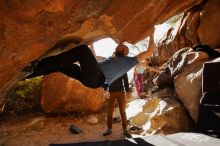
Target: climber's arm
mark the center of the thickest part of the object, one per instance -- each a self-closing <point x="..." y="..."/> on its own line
<point x="143" y="55"/>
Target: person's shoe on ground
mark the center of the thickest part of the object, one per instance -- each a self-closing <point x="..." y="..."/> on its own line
<point x="107" y="132"/>
<point x="135" y="129"/>
<point x="127" y="134"/>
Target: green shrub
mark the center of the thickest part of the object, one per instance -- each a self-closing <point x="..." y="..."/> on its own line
<point x="25" y="98"/>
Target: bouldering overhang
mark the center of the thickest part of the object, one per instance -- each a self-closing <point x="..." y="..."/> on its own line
<point x="29" y="28"/>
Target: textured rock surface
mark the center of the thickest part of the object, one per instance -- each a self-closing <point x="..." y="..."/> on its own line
<point x="29" y="28"/>
<point x="172" y="67"/>
<point x="173" y="41"/>
<point x="193" y="29"/>
<point x="198" y="25"/>
<point x="178" y="63"/>
<point x="61" y="94"/>
<point x="188" y="84"/>
<point x="184" y="71"/>
<point x="158" y="114"/>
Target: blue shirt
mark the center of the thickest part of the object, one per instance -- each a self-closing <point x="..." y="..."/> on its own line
<point x="115" y="67"/>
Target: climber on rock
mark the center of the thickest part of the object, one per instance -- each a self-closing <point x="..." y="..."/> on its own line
<point x="91" y="73"/>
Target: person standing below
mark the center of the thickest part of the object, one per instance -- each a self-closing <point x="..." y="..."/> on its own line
<point x="138" y="78"/>
<point x="139" y="72"/>
<point x="119" y="90"/>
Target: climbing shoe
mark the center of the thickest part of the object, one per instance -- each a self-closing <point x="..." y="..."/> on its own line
<point x="127" y="134"/>
<point x="107" y="132"/>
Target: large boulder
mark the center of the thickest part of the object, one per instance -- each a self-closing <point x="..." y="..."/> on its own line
<point x="176" y="64"/>
<point x="186" y="68"/>
<point x="197" y="26"/>
<point x="160" y="113"/>
<point x="184" y="71"/>
<point x="189" y="88"/>
<point x="29" y="28"/>
<point x="188" y="84"/>
<point x="62" y="94"/>
<point x="171" y="42"/>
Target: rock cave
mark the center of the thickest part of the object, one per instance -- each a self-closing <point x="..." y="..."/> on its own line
<point x="173" y="100"/>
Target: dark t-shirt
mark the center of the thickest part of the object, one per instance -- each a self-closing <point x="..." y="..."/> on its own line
<point x="120" y="84"/>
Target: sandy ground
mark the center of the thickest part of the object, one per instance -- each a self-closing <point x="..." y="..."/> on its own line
<point x="42" y="130"/>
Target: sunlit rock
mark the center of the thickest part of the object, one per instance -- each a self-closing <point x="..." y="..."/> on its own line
<point x="188" y="83"/>
<point x="159" y="116"/>
<point x="62" y="94"/>
<point x="172" y="41"/>
<point x="177" y="63"/>
<point x="92" y="119"/>
<point x="28" y="29"/>
<point x="172" y="67"/>
<point x="185" y="66"/>
<point x="191" y="30"/>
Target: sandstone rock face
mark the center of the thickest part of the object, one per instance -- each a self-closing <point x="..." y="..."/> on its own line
<point x="29" y="28"/>
<point x="61" y="94"/>
<point x="158" y="114"/>
<point x="173" y="41"/>
<point x="188" y="85"/>
<point x="177" y="63"/>
<point x="184" y="70"/>
<point x="198" y="25"/>
<point x="192" y="30"/>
